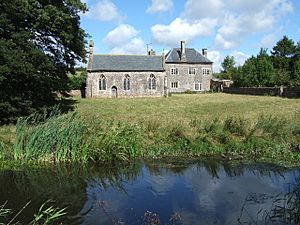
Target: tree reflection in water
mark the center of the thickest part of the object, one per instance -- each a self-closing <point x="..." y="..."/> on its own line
<point x="171" y="192"/>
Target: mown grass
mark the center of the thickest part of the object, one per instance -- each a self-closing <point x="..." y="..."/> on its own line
<point x="230" y="126"/>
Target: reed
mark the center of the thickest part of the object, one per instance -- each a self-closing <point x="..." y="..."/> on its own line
<point x="52" y="137"/>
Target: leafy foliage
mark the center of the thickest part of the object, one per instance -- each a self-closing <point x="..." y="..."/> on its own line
<point x="282" y="67"/>
<point x="41" y="41"/>
<point x="77" y="81"/>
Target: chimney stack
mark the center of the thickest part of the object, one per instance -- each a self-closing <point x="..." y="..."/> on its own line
<point x="91" y="46"/>
<point x="204" y="52"/>
<point x="91" y="52"/>
<point x="151" y="52"/>
<point x="183" y="56"/>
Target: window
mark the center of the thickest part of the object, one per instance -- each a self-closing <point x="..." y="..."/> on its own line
<point x="174" y="84"/>
<point x="206" y="71"/>
<point x="152" y="82"/>
<point x="174" y="71"/>
<point x="192" y="71"/>
<point x="102" y="83"/>
<point x="127" y="82"/>
<point x="198" y="86"/>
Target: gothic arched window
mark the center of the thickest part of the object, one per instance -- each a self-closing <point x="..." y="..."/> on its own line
<point x="102" y="83"/>
<point x="152" y="82"/>
<point x="127" y="82"/>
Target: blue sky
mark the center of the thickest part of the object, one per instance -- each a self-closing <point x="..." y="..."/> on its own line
<point x="225" y="27"/>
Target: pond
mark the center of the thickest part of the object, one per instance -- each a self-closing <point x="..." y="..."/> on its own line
<point x="187" y="192"/>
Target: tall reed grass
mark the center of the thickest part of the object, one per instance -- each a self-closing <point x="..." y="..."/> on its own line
<point x="55" y="138"/>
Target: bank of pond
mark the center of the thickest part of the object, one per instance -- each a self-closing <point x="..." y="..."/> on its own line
<point x="153" y="192"/>
<point x="52" y="137"/>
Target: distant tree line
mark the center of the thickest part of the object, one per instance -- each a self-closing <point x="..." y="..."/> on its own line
<point x="280" y="67"/>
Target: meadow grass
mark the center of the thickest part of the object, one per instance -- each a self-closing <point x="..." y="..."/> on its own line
<point x="230" y="126"/>
<point x="182" y="108"/>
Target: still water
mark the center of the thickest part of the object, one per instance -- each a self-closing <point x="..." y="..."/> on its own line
<point x="206" y="192"/>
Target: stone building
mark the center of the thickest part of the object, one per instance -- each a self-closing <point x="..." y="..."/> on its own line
<point x="182" y="69"/>
<point x="188" y="70"/>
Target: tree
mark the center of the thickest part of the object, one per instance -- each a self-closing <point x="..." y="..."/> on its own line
<point x="257" y="71"/>
<point x="296" y="66"/>
<point x="40" y="42"/>
<point x="228" y="67"/>
<point x="282" y="55"/>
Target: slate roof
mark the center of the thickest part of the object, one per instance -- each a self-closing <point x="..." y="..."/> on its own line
<point x="126" y="63"/>
<point x="192" y="56"/>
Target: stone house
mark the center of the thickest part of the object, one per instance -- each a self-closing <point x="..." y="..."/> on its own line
<point x="182" y="69"/>
<point x="188" y="70"/>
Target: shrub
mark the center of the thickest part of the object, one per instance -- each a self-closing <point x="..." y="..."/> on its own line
<point x="235" y="125"/>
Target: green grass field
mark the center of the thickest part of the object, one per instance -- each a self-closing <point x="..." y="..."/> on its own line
<point x="182" y="108"/>
<point x="261" y="128"/>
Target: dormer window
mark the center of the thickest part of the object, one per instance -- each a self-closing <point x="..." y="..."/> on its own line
<point x="174" y="71"/>
<point x="192" y="71"/>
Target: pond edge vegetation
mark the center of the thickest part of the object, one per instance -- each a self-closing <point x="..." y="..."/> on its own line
<point x="53" y="137"/>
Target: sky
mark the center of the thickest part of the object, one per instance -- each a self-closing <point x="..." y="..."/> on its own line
<point x="237" y="28"/>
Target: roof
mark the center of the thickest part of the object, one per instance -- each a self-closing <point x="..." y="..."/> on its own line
<point x="126" y="63"/>
<point x="192" y="56"/>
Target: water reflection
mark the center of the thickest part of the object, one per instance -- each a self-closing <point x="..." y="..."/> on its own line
<point x="206" y="192"/>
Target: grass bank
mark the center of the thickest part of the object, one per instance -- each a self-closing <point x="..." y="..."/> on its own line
<point x="229" y="126"/>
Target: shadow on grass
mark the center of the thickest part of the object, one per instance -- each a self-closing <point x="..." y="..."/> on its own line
<point x="66" y="105"/>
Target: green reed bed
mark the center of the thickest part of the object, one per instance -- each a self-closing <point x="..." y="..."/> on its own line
<point x="106" y="130"/>
<point x="71" y="137"/>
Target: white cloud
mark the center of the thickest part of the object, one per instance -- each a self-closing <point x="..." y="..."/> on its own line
<point x="124" y="39"/>
<point x="269" y="40"/>
<point x="134" y="46"/>
<point x="237" y="19"/>
<point x="182" y="29"/>
<point x="244" y="18"/>
<point x="104" y="10"/>
<point x="223" y="43"/>
<point x="217" y="59"/>
<point x="120" y="35"/>
<point x="239" y="57"/>
<point x="198" y="9"/>
<point x="160" y="6"/>
<point x="235" y="28"/>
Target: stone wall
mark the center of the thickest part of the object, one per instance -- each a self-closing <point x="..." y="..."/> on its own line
<point x="138" y="84"/>
<point x="289" y="92"/>
<point x="187" y="81"/>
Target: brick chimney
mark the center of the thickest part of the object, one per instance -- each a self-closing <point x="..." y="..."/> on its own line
<point x="182" y="52"/>
<point x="204" y="52"/>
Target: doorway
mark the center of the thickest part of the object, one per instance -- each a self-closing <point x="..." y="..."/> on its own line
<point x="114" y="92"/>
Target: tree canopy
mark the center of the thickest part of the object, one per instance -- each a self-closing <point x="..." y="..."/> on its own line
<point x="40" y="42"/>
<point x="282" y="67"/>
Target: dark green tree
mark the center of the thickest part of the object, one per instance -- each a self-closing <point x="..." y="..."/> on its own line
<point x="282" y="55"/>
<point x="296" y="67"/>
<point x="228" y="67"/>
<point x="40" y="42"/>
<point x="257" y="71"/>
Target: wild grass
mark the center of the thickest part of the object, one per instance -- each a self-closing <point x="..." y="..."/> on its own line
<point x="106" y="130"/>
<point x="45" y="216"/>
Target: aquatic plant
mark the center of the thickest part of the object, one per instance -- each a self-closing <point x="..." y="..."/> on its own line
<point x="45" y="216"/>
